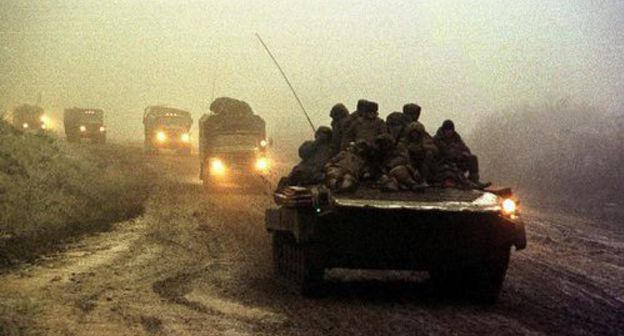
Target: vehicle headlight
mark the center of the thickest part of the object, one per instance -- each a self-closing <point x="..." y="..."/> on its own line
<point x="161" y="136"/>
<point x="263" y="143"/>
<point x="44" y="119"/>
<point x="262" y="164"/>
<point x="25" y="125"/>
<point x="102" y="128"/>
<point x="185" y="137"/>
<point x="43" y="126"/>
<point x="217" y="167"/>
<point x="509" y="207"/>
<point x="83" y="128"/>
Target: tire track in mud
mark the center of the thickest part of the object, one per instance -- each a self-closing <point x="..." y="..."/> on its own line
<point x="207" y="241"/>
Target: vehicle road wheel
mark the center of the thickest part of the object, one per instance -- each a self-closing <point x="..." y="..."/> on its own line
<point x="303" y="264"/>
<point x="279" y="268"/>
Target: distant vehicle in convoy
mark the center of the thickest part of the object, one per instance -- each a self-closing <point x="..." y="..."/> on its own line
<point x="167" y="128"/>
<point x="232" y="144"/>
<point x="30" y="118"/>
<point x="84" y="123"/>
<point x="461" y="237"/>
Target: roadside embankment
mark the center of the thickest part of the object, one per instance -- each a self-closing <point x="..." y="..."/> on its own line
<point x="51" y="191"/>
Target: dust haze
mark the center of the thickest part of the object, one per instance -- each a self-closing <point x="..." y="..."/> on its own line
<point x="469" y="62"/>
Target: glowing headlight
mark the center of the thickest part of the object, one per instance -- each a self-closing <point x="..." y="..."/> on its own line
<point x="185" y="137"/>
<point x="102" y="128"/>
<point x="25" y="125"/>
<point x="262" y="164"/>
<point x="161" y="136"/>
<point x="83" y="128"/>
<point x="44" y="119"/>
<point x="43" y="126"/>
<point x="217" y="167"/>
<point x="263" y="143"/>
<point x="509" y="206"/>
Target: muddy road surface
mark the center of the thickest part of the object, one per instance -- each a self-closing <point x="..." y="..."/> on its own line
<point x="198" y="263"/>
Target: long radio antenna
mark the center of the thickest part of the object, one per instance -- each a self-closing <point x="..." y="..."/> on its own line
<point x="287" y="82"/>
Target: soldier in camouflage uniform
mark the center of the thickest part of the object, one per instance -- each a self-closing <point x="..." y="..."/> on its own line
<point x="344" y="171"/>
<point x="411" y="112"/>
<point x="454" y="150"/>
<point x="367" y="126"/>
<point x="339" y="115"/>
<point x="422" y="150"/>
<point x="397" y="126"/>
<point x="314" y="155"/>
<point x="350" y="119"/>
<point x="390" y="165"/>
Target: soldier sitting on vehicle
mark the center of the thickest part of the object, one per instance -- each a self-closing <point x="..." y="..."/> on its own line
<point x="397" y="126"/>
<point x="367" y="126"/>
<point x="344" y="171"/>
<point x="359" y="110"/>
<point x="421" y="149"/>
<point x="314" y="155"/>
<point x="391" y="166"/>
<point x="411" y="112"/>
<point x="339" y="115"/>
<point x="454" y="150"/>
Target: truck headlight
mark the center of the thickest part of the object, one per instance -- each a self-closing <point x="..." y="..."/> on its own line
<point x="263" y="143"/>
<point x="262" y="164"/>
<point x="161" y="136"/>
<point x="25" y="125"/>
<point x="217" y="167"/>
<point x="509" y="207"/>
<point x="43" y="126"/>
<point x="185" y="137"/>
<point x="83" y="128"/>
<point x="102" y="129"/>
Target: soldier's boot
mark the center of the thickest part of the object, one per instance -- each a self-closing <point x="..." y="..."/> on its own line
<point x="473" y="172"/>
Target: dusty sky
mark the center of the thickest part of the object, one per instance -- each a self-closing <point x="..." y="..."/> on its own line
<point x="457" y="59"/>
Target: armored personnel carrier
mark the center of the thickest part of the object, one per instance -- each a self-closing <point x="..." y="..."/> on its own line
<point x="232" y="145"/>
<point x="167" y="128"/>
<point x="463" y="238"/>
<point x="84" y="123"/>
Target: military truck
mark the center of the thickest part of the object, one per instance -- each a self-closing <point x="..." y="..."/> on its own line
<point x="462" y="238"/>
<point x="30" y="118"/>
<point x="84" y="123"/>
<point x="232" y="145"/>
<point x="167" y="128"/>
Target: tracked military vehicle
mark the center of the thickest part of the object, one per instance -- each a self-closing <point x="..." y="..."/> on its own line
<point x="84" y="123"/>
<point x="167" y="128"/>
<point x="463" y="238"/>
<point x="232" y="145"/>
<point x="29" y="118"/>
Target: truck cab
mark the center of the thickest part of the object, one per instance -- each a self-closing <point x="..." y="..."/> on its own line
<point x="84" y="123"/>
<point x="232" y="150"/>
<point x="167" y="128"/>
<point x="29" y="118"/>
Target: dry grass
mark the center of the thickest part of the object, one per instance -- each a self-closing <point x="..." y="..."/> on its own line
<point x="50" y="190"/>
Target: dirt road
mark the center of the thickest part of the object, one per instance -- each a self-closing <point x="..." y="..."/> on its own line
<point x="199" y="264"/>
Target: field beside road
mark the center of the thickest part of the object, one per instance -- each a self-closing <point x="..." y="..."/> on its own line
<point x="51" y="191"/>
